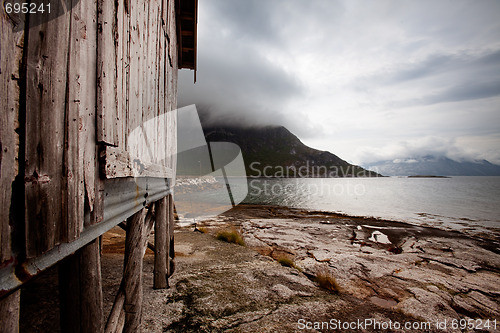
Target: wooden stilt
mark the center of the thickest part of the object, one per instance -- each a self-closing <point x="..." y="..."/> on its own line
<point x="132" y="274"/>
<point x="80" y="288"/>
<point x="9" y="312"/>
<point x="117" y="312"/>
<point x="161" y="244"/>
<point x="69" y="294"/>
<point x="116" y="319"/>
<point x="92" y="319"/>
<point x="170" y="237"/>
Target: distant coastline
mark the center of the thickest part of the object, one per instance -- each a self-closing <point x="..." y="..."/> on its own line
<point x="427" y="176"/>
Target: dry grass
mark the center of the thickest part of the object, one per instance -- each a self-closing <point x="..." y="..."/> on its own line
<point x="327" y="281"/>
<point x="231" y="236"/>
<point x="287" y="262"/>
<point x="203" y="230"/>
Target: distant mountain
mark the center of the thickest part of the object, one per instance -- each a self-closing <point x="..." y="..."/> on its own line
<point x="275" y="151"/>
<point x="436" y="166"/>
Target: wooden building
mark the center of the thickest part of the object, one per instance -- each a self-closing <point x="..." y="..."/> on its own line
<point x="80" y="90"/>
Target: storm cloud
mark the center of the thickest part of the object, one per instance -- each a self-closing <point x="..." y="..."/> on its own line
<point x="360" y="79"/>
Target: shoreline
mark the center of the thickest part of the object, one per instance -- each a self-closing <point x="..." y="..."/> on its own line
<point x="477" y="220"/>
<point x="489" y="241"/>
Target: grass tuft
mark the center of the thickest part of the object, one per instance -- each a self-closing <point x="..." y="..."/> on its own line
<point x="327" y="281"/>
<point x="203" y="229"/>
<point x="287" y="262"/>
<point x="230" y="236"/>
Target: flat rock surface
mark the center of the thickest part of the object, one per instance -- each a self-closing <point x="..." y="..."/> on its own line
<point x="423" y="273"/>
<point x="219" y="286"/>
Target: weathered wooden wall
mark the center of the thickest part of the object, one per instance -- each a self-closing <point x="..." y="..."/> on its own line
<point x="100" y="81"/>
<point x="87" y="101"/>
<point x="145" y="78"/>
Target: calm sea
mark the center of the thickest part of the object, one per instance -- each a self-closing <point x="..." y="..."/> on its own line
<point x="470" y="204"/>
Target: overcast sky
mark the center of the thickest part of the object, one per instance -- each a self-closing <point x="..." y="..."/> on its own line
<point x="366" y="80"/>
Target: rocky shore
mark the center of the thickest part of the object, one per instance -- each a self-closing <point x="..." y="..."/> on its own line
<point x="389" y="275"/>
<point x="386" y="271"/>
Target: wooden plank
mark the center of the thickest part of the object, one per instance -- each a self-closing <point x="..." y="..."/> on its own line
<point x="126" y="77"/>
<point x="88" y="80"/>
<point x="47" y="69"/>
<point x="146" y="149"/>
<point x="107" y="131"/>
<point x="73" y="181"/>
<point x="11" y="48"/>
<point x="171" y="103"/>
<point x="135" y="100"/>
<point x="164" y="16"/>
<point x="9" y="312"/>
<point x="123" y="63"/>
<point x="119" y="64"/>
<point x="160" y="104"/>
<point x="161" y="246"/>
<point x="155" y="31"/>
<point x="117" y="163"/>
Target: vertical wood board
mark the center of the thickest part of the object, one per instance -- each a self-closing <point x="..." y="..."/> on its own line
<point x="47" y="69"/>
<point x="107" y="131"/>
<point x="11" y="47"/>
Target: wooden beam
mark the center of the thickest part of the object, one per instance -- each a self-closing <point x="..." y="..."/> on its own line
<point x="117" y="163"/>
<point x="161" y="245"/>
<point x="9" y="312"/>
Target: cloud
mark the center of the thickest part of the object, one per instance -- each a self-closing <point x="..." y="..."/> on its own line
<point x="243" y="86"/>
<point x="355" y="78"/>
<point x="440" y="78"/>
<point x="453" y="148"/>
<point x="465" y="91"/>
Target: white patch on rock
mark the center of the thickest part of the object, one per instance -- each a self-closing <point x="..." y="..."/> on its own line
<point x="379" y="237"/>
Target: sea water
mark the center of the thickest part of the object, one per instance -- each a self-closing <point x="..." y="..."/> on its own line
<point x="470" y="204"/>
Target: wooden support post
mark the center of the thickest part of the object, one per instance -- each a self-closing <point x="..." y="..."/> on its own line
<point x="117" y="316"/>
<point x="91" y="288"/>
<point x="161" y="244"/>
<point x="170" y="236"/>
<point x="9" y="312"/>
<point x="132" y="274"/>
<point x="80" y="287"/>
<point x="116" y="319"/>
